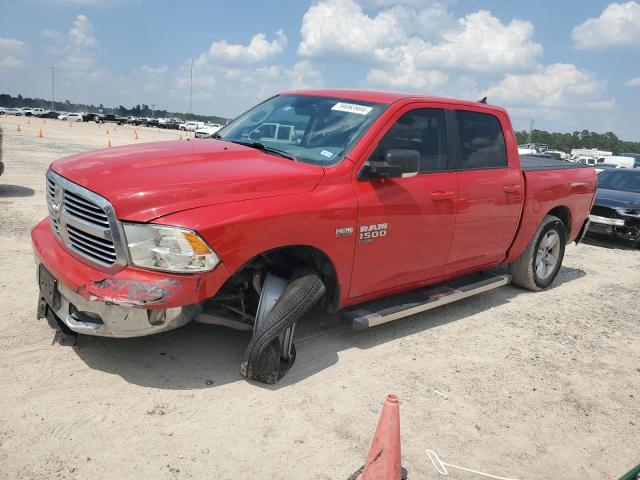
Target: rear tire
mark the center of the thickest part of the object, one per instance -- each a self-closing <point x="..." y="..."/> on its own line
<point x="539" y="264"/>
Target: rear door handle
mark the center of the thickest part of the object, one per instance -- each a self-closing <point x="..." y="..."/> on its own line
<point x="511" y="188"/>
<point x="443" y="195"/>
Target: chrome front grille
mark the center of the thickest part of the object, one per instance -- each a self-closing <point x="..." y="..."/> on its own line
<point x="84" y="221"/>
<point x="84" y="210"/>
<point x="91" y="246"/>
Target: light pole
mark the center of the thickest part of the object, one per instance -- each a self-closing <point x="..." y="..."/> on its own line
<point x="53" y="72"/>
<point x="190" y="87"/>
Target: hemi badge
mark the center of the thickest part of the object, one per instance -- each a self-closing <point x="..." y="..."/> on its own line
<point x="344" y="231"/>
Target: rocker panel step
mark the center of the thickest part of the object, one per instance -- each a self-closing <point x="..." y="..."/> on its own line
<point x="402" y="305"/>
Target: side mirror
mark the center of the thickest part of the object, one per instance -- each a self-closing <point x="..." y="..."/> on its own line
<point x="397" y="163"/>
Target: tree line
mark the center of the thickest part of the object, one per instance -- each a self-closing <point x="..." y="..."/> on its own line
<point x="580" y="139"/>
<point x="142" y="110"/>
<point x="556" y="141"/>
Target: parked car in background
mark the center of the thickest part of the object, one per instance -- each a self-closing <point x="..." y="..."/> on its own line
<point x="70" y="117"/>
<point x="91" y="117"/>
<point x="169" y="123"/>
<point x="37" y="111"/>
<point x="49" y="114"/>
<point x="151" y="122"/>
<point x="191" y="126"/>
<point x="27" y="112"/>
<point x="9" y="111"/>
<point x="616" y="209"/>
<point x="586" y="160"/>
<point x="208" y="130"/>
<point x="110" y="118"/>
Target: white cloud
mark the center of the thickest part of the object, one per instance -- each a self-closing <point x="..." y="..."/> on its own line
<point x="237" y="76"/>
<point x="154" y="70"/>
<point x="555" y="87"/>
<point x="10" y="52"/>
<point x="81" y="34"/>
<point x="559" y="97"/>
<point x="618" y="25"/>
<point x="405" y="75"/>
<point x="258" y="50"/>
<point x="238" y="88"/>
<point x="342" y="27"/>
<point x="634" y="82"/>
<point x="409" y="44"/>
<point x="483" y="43"/>
<point x="75" y="48"/>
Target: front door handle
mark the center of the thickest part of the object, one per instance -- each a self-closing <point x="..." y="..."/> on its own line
<point x="511" y="188"/>
<point x="443" y="195"/>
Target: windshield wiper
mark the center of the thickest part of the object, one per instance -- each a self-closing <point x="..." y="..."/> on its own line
<point x="264" y="148"/>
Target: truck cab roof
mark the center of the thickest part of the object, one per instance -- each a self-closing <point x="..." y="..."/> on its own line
<point x="378" y="96"/>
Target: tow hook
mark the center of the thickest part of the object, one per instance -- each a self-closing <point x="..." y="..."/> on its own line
<point x="271" y="352"/>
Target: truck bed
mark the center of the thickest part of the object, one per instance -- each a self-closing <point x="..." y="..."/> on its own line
<point x="532" y="163"/>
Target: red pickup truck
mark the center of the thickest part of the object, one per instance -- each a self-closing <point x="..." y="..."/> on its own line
<point x="377" y="204"/>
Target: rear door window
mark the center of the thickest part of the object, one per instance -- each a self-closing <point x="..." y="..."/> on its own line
<point x="422" y="129"/>
<point x="481" y="141"/>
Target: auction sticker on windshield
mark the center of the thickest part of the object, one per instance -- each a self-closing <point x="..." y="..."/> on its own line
<point x="352" y="108"/>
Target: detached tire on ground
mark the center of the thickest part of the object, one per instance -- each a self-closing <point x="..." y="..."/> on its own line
<point x="539" y="264"/>
<point x="262" y="359"/>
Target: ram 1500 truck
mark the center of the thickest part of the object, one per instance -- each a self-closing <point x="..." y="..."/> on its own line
<point x="377" y="204"/>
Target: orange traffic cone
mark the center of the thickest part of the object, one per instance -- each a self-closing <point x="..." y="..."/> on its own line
<point x="107" y="131"/>
<point x="28" y="121"/>
<point x="135" y="134"/>
<point x="18" y="128"/>
<point x="70" y="124"/>
<point x="109" y="143"/>
<point x="40" y="134"/>
<point x="180" y="136"/>
<point x="383" y="461"/>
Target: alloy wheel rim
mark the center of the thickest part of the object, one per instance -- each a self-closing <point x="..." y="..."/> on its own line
<point x="548" y="254"/>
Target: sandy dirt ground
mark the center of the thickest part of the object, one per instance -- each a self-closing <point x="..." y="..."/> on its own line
<point x="512" y="383"/>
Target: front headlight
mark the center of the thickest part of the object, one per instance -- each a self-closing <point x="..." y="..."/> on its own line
<point x="172" y="249"/>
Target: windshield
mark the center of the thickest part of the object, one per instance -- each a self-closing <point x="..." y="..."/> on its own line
<point x="310" y="129"/>
<point x="628" y="181"/>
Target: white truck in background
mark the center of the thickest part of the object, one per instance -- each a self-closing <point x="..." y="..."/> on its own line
<point x="190" y="126"/>
<point x="208" y="130"/>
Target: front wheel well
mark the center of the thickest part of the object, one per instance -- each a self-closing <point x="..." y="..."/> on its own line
<point x="288" y="262"/>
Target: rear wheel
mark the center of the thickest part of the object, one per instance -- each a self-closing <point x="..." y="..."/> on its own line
<point x="539" y="264"/>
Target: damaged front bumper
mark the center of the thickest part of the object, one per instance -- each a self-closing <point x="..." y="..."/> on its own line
<point x="129" y="303"/>
<point x="93" y="317"/>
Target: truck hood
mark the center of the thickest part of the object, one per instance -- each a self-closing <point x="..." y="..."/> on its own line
<point x="151" y="180"/>
<point x="617" y="199"/>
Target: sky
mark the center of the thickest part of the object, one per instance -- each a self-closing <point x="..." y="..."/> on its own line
<point x="566" y="65"/>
